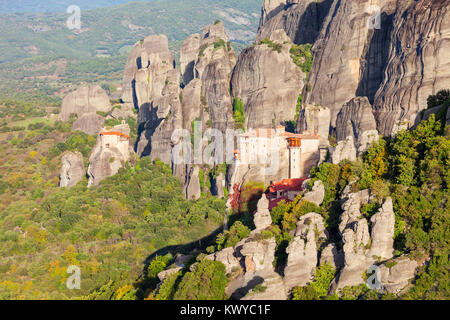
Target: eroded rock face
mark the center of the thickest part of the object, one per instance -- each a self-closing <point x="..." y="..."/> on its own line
<point x="109" y="155"/>
<point x="188" y="55"/>
<point x="214" y="65"/>
<point x="302" y="251"/>
<point x="418" y="63"/>
<point x="362" y="248"/>
<point x="317" y="194"/>
<point x="301" y="20"/>
<point x="345" y="150"/>
<point x="72" y="170"/>
<point x="84" y="100"/>
<point x="315" y="120"/>
<point x="192" y="189"/>
<point x="268" y="82"/>
<point x="396" y="275"/>
<point x="262" y="218"/>
<point x="90" y="123"/>
<point x="383" y="223"/>
<point x="271" y="8"/>
<point x="356" y="119"/>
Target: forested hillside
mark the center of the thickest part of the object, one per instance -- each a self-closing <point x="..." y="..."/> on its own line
<point x="40" y="56"/>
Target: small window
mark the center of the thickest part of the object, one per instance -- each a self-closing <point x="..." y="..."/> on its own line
<point x="107" y="145"/>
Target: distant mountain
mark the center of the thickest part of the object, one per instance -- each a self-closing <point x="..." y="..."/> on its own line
<point x="109" y="31"/>
<point x="15" y="6"/>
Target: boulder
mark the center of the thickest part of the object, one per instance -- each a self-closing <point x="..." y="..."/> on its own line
<point x="317" y="194"/>
<point x="345" y="150"/>
<point x="228" y="258"/>
<point x="90" y="123"/>
<point x="87" y="99"/>
<point x="72" y="170"/>
<point x="396" y="274"/>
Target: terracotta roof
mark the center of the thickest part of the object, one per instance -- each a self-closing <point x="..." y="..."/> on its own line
<point x="288" y="185"/>
<point x="115" y="133"/>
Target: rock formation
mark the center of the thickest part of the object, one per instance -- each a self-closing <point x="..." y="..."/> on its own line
<point x="396" y="274"/>
<point x="85" y="100"/>
<point x="362" y="248"/>
<point x="345" y="150"/>
<point x="72" y="170"/>
<point x="302" y="20"/>
<point x="316" y="120"/>
<point x="192" y="188"/>
<point x="356" y="120"/>
<point x="90" y="123"/>
<point x="302" y="250"/>
<point x="110" y="153"/>
<point x="262" y="218"/>
<point x="418" y="62"/>
<point x="188" y="55"/>
<point x="268" y="82"/>
<point x="317" y="194"/>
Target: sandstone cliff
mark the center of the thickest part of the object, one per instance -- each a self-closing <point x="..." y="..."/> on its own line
<point x="268" y="82"/>
<point x="72" y="170"/>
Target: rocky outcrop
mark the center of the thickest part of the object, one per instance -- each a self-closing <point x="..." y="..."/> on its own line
<point x="396" y="274"/>
<point x="228" y="257"/>
<point x="314" y="120"/>
<point x="90" y="123"/>
<point x="383" y="224"/>
<point x="214" y="65"/>
<point x="270" y="8"/>
<point x="362" y="248"/>
<point x="192" y="189"/>
<point x="188" y="55"/>
<point x="268" y="82"/>
<point x="262" y="218"/>
<point x="302" y="250"/>
<point x="332" y="256"/>
<point x="109" y="154"/>
<point x="257" y="260"/>
<point x="345" y="150"/>
<point x="218" y="186"/>
<point x="72" y="170"/>
<point x="317" y="194"/>
<point x="301" y="20"/>
<point x="85" y="100"/>
<point x="356" y="120"/>
<point x="418" y="62"/>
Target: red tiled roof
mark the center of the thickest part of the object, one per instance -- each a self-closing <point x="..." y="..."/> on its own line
<point x="287" y="185"/>
<point x="115" y="133"/>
